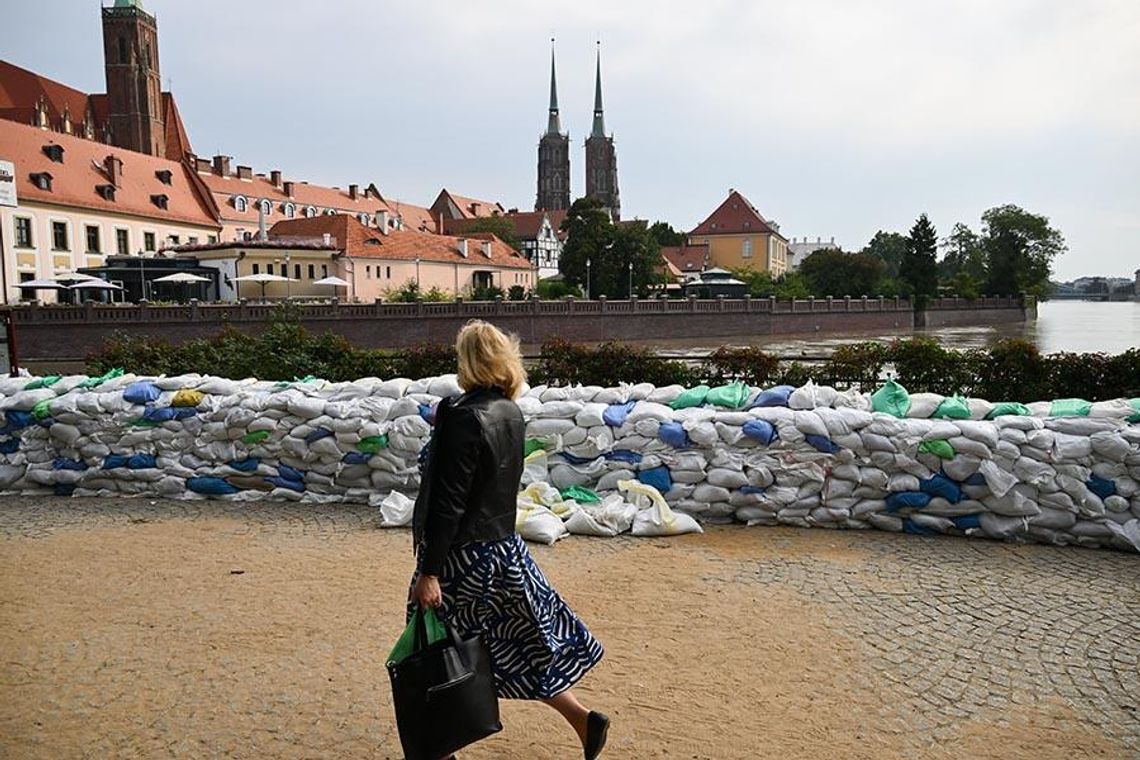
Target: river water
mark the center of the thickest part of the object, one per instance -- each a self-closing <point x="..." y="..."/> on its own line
<point x="1081" y="326"/>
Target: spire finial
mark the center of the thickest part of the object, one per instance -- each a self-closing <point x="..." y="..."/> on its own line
<point x="599" y="129"/>
<point x="553" y="124"/>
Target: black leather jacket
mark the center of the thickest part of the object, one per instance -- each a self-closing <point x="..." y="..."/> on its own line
<point x="470" y="483"/>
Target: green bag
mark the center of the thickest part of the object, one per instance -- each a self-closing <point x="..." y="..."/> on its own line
<point x="95" y="382"/>
<point x="373" y="444"/>
<point x="255" y="437"/>
<point x="42" y="409"/>
<point x="532" y="445"/>
<point x="1070" y="407"/>
<point x="581" y="494"/>
<point x="1005" y="408"/>
<point x="692" y="397"/>
<point x="42" y="382"/>
<point x="406" y="644"/>
<point x="733" y="396"/>
<point x="940" y="448"/>
<point x="891" y="399"/>
<point x="952" y="408"/>
<point x="1135" y="404"/>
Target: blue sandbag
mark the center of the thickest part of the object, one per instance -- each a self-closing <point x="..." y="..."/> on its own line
<point x="210" y="486"/>
<point x="760" y="430"/>
<point x="574" y="459"/>
<point x="673" y="433"/>
<point x="624" y="455"/>
<point x="317" y="435"/>
<point x="977" y="479"/>
<point x="356" y="457"/>
<point x="615" y="414"/>
<point x="967" y="522"/>
<point x="1102" y="487"/>
<point x="64" y="489"/>
<point x="427" y="411"/>
<point x="907" y="500"/>
<point x="777" y="396"/>
<point x="18" y="420"/>
<point x="76" y="465"/>
<point x="751" y="489"/>
<point x="249" y="464"/>
<point x="115" y="461"/>
<point x="141" y="462"/>
<point x="141" y="392"/>
<point x="658" y="477"/>
<point x="822" y="443"/>
<point x="168" y="413"/>
<point x="292" y="485"/>
<point x="940" y="485"/>
<point x="289" y="473"/>
<point x="10" y="446"/>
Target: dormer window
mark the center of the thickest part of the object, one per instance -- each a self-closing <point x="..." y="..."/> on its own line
<point x="106" y="192"/>
<point x="290" y="210"/>
<point x="240" y="203"/>
<point x="162" y="201"/>
<point x="330" y="212"/>
<point x="265" y="207"/>
<point x="310" y="211"/>
<point x="165" y="176"/>
<point x="54" y="152"/>
<point x="363" y="219"/>
<point x="41" y="180"/>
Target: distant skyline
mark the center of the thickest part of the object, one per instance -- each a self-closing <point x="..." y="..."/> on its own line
<point x="833" y="118"/>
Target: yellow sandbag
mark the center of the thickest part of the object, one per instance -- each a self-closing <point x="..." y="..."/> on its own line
<point x="187" y="397"/>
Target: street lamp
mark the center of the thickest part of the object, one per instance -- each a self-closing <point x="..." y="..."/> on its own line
<point x="631" y="280"/>
<point x="288" y="282"/>
<point x="417" y="273"/>
<point x="587" y="279"/>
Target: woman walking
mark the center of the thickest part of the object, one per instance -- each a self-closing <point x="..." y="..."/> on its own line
<point x="471" y="564"/>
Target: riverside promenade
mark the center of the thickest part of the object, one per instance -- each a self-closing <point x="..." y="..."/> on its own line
<point x="141" y="628"/>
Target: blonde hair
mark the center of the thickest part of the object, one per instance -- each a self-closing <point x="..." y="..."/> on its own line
<point x="488" y="357"/>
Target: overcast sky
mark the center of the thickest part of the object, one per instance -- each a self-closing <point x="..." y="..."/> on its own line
<point x="835" y="118"/>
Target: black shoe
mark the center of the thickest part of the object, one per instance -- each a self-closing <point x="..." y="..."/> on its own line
<point x="597" y="726"/>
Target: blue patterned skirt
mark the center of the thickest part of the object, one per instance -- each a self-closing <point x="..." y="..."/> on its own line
<point x="539" y="647"/>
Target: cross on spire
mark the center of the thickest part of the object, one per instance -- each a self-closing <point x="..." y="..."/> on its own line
<point x="553" y="124"/>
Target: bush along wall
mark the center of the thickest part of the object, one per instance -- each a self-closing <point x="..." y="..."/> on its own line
<point x="601" y="460"/>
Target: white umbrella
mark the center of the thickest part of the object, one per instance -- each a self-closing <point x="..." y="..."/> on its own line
<point x="334" y="281"/>
<point x="74" y="277"/>
<point x="182" y="277"/>
<point x="95" y="284"/>
<point x="42" y="285"/>
<point x="263" y="279"/>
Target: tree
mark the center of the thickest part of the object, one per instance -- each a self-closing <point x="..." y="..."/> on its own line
<point x="618" y="254"/>
<point x="500" y="226"/>
<point x="588" y="230"/>
<point x="832" y="272"/>
<point x="889" y="247"/>
<point x="665" y="235"/>
<point x="1020" y="247"/>
<point x="792" y="285"/>
<point x="962" y="252"/>
<point x="919" y="267"/>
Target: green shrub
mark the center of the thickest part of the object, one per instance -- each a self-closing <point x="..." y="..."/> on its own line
<point x="750" y="364"/>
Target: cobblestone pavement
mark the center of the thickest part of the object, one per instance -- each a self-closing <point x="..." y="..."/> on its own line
<point x="952" y="631"/>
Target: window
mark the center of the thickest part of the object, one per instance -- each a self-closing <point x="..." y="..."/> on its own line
<point x="93" y="242"/>
<point x="290" y="210"/>
<point x="256" y="269"/>
<point x="122" y="50"/>
<point x="148" y="241"/>
<point x="368" y="273"/>
<point x="162" y="201"/>
<point x="330" y="212"/>
<point x="324" y="271"/>
<point x="122" y="242"/>
<point x="212" y="238"/>
<point x="265" y="207"/>
<point x="746" y="251"/>
<point x="310" y="211"/>
<point x="312" y="270"/>
<point x="269" y="269"/>
<point x="165" y="176"/>
<point x="192" y="240"/>
<point x="42" y="180"/>
<point x="388" y="272"/>
<point x="106" y="192"/>
<point x="59" y="236"/>
<point x="240" y="203"/>
<point x="296" y="271"/>
<point x="174" y="239"/>
<point x="54" y="152"/>
<point x="363" y="219"/>
<point x="23" y="232"/>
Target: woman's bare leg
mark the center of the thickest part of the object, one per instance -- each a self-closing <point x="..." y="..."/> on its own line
<point x="572" y="710"/>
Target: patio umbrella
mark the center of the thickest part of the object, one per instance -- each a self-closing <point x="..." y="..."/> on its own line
<point x="263" y="279"/>
<point x="182" y="277"/>
<point x="94" y="284"/>
<point x="335" y="282"/>
<point x="74" y="277"/>
<point x="42" y="285"/>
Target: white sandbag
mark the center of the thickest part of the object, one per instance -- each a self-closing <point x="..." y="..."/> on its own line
<point x="654" y="517"/>
<point x="924" y="405"/>
<point x="537" y="523"/>
<point x="396" y="510"/>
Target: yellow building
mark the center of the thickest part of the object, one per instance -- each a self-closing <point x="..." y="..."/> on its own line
<point x="739" y="238"/>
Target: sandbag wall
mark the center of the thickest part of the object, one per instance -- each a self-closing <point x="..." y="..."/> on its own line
<point x="1065" y="472"/>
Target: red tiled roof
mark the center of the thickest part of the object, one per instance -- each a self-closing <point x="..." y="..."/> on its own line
<point x="736" y="216"/>
<point x="177" y="141"/>
<point x="686" y="258"/>
<point x="527" y="223"/>
<point x="74" y="181"/>
<point x="448" y="205"/>
<point x="359" y="241"/>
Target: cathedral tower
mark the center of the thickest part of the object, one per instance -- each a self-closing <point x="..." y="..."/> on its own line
<point x="553" y="156"/>
<point x="601" y="158"/>
<point x="134" y="87"/>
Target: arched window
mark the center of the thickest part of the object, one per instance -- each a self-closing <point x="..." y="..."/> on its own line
<point x="310" y="211"/>
<point x="240" y="203"/>
<point x="330" y="212"/>
<point x="290" y="210"/>
<point x="363" y="219"/>
<point x="265" y="206"/>
<point x="123" y="50"/>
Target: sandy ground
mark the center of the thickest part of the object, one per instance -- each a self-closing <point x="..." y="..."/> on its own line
<point x="220" y="637"/>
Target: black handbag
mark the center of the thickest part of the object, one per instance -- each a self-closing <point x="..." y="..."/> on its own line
<point x="444" y="695"/>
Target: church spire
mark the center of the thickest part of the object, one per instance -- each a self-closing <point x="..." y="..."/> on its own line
<point x="599" y="129"/>
<point x="553" y="124"/>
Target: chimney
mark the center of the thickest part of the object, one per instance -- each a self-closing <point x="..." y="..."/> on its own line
<point x="114" y="167"/>
<point x="245" y="172"/>
<point x="474" y="207"/>
<point x="327" y="240"/>
<point x="288" y="188"/>
<point x="202" y="165"/>
<point x="275" y="178"/>
<point x="463" y="247"/>
<point x="222" y="165"/>
<point x="353" y="191"/>
<point x="382" y="220"/>
<point x="486" y="246"/>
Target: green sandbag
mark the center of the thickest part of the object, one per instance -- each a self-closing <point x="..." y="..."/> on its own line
<point x="692" y="397"/>
<point x="732" y="396"/>
<point x="581" y="494"/>
<point x="42" y="382"/>
<point x="952" y="408"/>
<point x="1008" y="408"/>
<point x="95" y="382"/>
<point x="257" y="436"/>
<point x="940" y="448"/>
<point x="373" y="444"/>
<point x="142" y="422"/>
<point x="1070" y="407"/>
<point x="891" y="399"/>
<point x="406" y="644"/>
<point x="42" y="409"/>
<point x="532" y="445"/>
<point x="1135" y="404"/>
